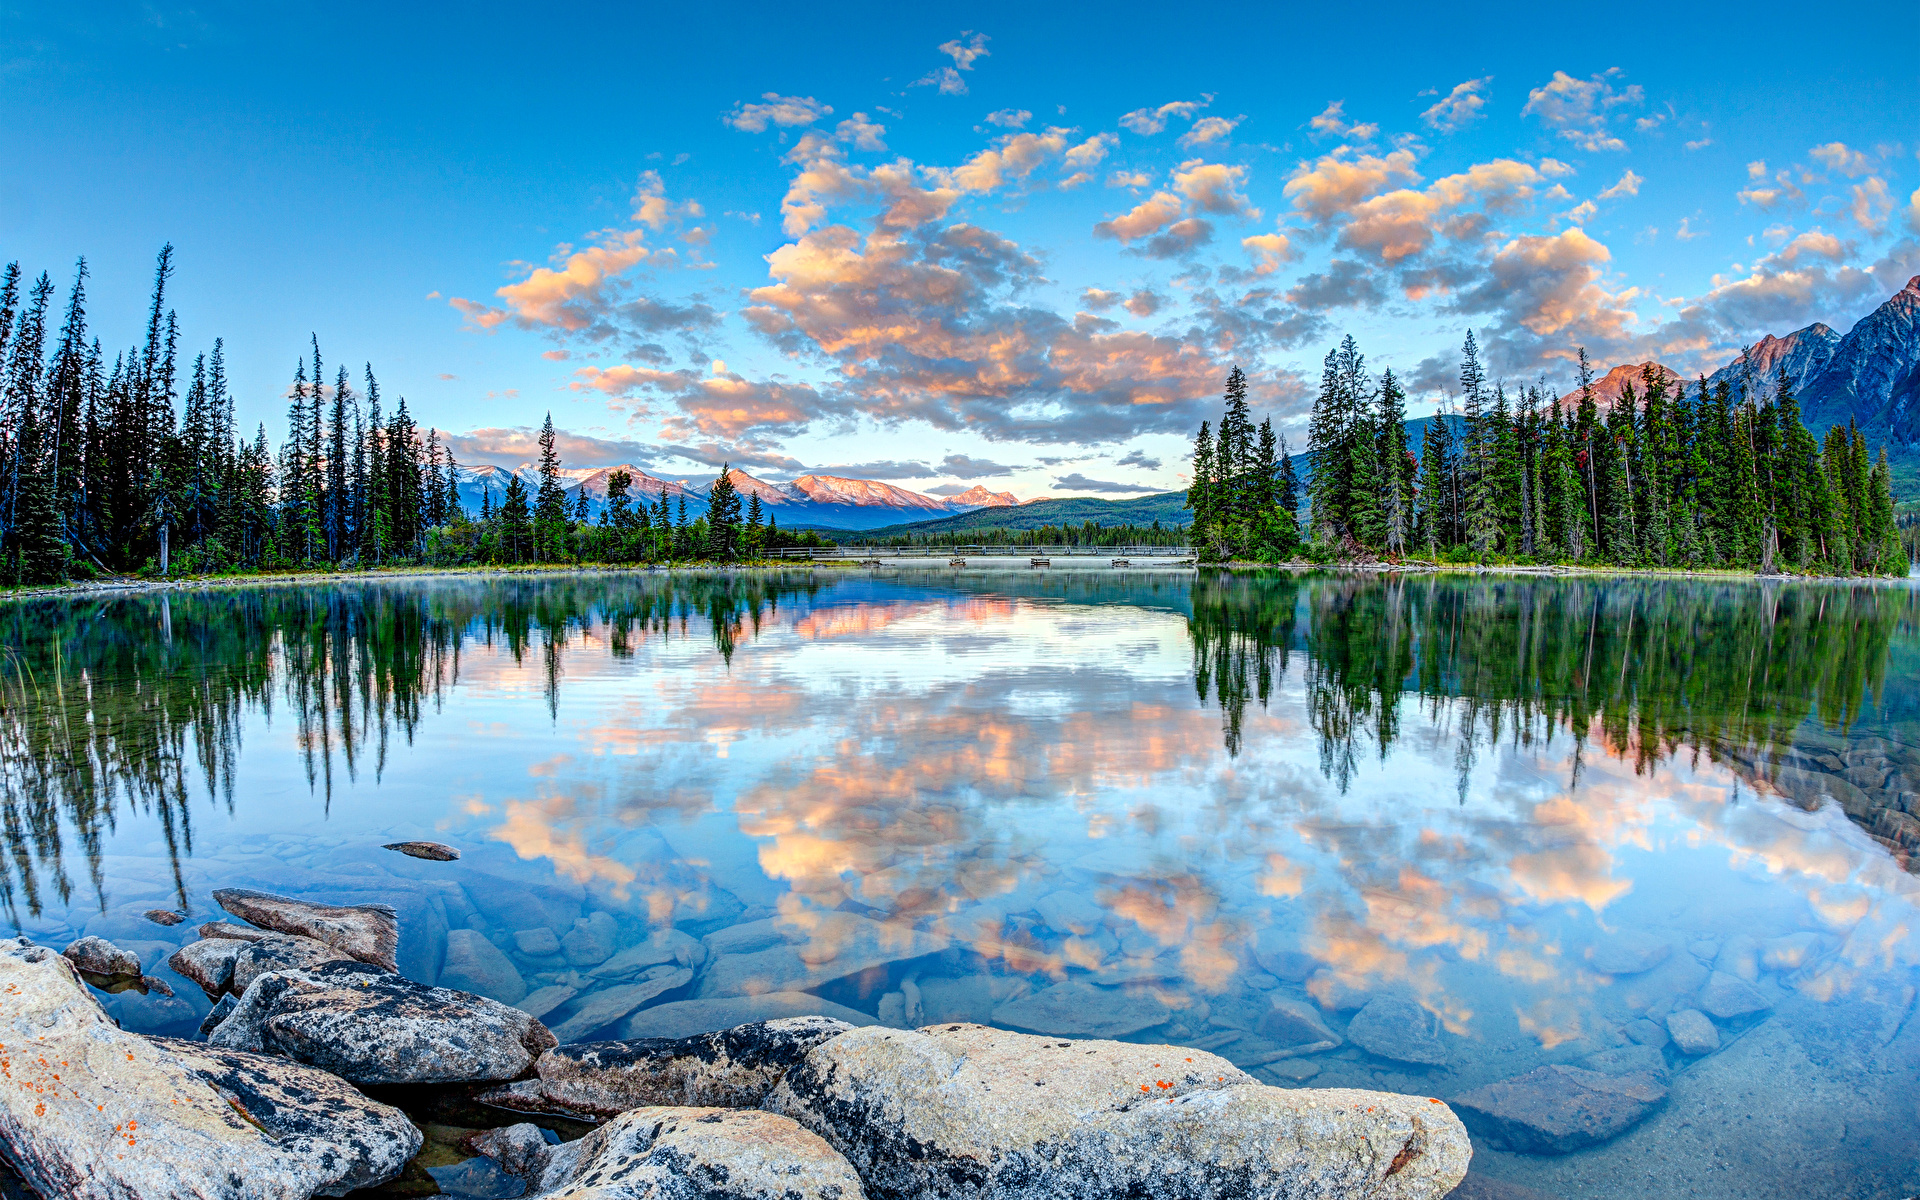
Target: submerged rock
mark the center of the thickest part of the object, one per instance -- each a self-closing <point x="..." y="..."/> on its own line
<point x="1082" y="1010"/>
<point x="1397" y="1029"/>
<point x="370" y="1026"/>
<point x="1630" y="952"/>
<point x="433" y="851"/>
<point x="730" y="1068"/>
<point x="209" y="963"/>
<point x="475" y="964"/>
<point x="838" y="945"/>
<point x="368" y="933"/>
<point x="591" y="940"/>
<point x="96" y="1113"/>
<point x="1692" y="1033"/>
<point x="1560" y="1109"/>
<point x="681" y="1154"/>
<point x="98" y="956"/>
<point x="538" y="1004"/>
<point x="963" y="1110"/>
<point x="164" y="916"/>
<point x="661" y="946"/>
<point x="602" y="1008"/>
<point x="1291" y="1022"/>
<point x="1728" y="998"/>
<point x="684" y="1018"/>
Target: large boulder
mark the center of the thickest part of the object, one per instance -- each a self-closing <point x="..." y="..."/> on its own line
<point x="92" y="1112"/>
<point x="209" y="963"/>
<point x="371" y="1026"/>
<point x="278" y="952"/>
<point x="968" y="1111"/>
<point x="1729" y="998"/>
<point x="474" y="964"/>
<point x="98" y="956"/>
<point x="731" y="1068"/>
<point x="368" y="933"/>
<point x="679" y="1154"/>
<point x="838" y="945"/>
<point x="1560" y="1109"/>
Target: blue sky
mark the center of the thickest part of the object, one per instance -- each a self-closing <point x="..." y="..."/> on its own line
<point x="946" y="245"/>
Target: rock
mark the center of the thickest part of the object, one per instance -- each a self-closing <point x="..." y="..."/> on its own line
<point x="208" y="962"/>
<point x="731" y="1068"/>
<point x="519" y="1150"/>
<point x="1290" y="1022"/>
<point x="684" y="1018"/>
<point x="474" y="964"/>
<point x="151" y="983"/>
<point x="750" y="937"/>
<point x="279" y="952"/>
<point x="1484" y="1187"/>
<point x="1739" y="957"/>
<point x="369" y="1026"/>
<point x="687" y="1154"/>
<point x="433" y="851"/>
<point x="1726" y="998"/>
<point x="1645" y="1032"/>
<point x="1792" y="952"/>
<point x="1559" y="1109"/>
<point x="538" y="1004"/>
<point x="536" y="943"/>
<point x="1287" y="965"/>
<point x="129" y="1116"/>
<point x="1629" y="952"/>
<point x="1293" y="1070"/>
<point x="238" y="933"/>
<point x="220" y="1012"/>
<point x="1335" y="994"/>
<point x="165" y="916"/>
<point x="1397" y="1029"/>
<point x="591" y="940"/>
<point x="968" y="1000"/>
<point x="1082" y="1010"/>
<point x="1628" y="1060"/>
<point x="1692" y="1033"/>
<point x="661" y="946"/>
<point x="1070" y="912"/>
<point x="368" y="933"/>
<point x="98" y="956"/>
<point x="967" y="1111"/>
<point x="517" y="904"/>
<point x="839" y="944"/>
<point x="602" y="1008"/>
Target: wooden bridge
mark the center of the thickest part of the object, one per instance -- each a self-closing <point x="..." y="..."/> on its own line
<point x="957" y="554"/>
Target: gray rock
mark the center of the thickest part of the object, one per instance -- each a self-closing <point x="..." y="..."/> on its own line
<point x="1645" y="1032"/>
<point x="1728" y="998"/>
<point x="839" y="944"/>
<point x="1335" y="994"/>
<point x="232" y="932"/>
<point x="1291" y="1022"/>
<point x="686" y="1154"/>
<point x="1559" y="1109"/>
<point x="968" y="999"/>
<point x="602" y="1008"/>
<point x="1692" y="1033"/>
<point x="1069" y="912"/>
<point x="369" y="1026"/>
<point x="1397" y="1029"/>
<point x="731" y="1068"/>
<point x="209" y="963"/>
<point x="1792" y="952"/>
<point x="661" y="946"/>
<point x="1629" y="1060"/>
<point x="279" y="952"/>
<point x="537" y="943"/>
<point x="749" y="937"/>
<point x="1629" y="952"/>
<point x="539" y="1003"/>
<point x="1739" y="957"/>
<point x="98" y="956"/>
<point x="967" y="1111"/>
<point x="165" y="916"/>
<point x="474" y="964"/>
<point x="368" y="933"/>
<point x="432" y="851"/>
<point x="684" y="1018"/>
<point x="1082" y="1010"/>
<point x="516" y="904"/>
<point x="1286" y="964"/>
<point x="591" y="940"/>
<point x="220" y="1012"/>
<point x="132" y="1117"/>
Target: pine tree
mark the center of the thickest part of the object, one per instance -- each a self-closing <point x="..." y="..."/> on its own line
<point x="550" y="509"/>
<point x="1200" y="492"/>
<point x="1396" y="465"/>
<point x="516" y="522"/>
<point x="1481" y="515"/>
<point x="723" y="516"/>
<point x="754" y="534"/>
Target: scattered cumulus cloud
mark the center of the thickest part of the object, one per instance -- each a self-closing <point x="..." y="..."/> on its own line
<point x="1579" y="109"/>
<point x="967" y="467"/>
<point x="1459" y="108"/>
<point x="1629" y="185"/>
<point x="1077" y="482"/>
<point x="964" y="49"/>
<point x="784" y="111"/>
<point x="1332" y="122"/>
<point x="1148" y="121"/>
<point x="1209" y="131"/>
<point x="1010" y="118"/>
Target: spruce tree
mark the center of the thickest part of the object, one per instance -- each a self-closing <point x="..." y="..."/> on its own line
<point x="1396" y="466"/>
<point x="550" y="510"/>
<point x="1200" y="492"/>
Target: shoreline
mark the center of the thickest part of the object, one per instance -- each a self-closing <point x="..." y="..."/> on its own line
<point x="129" y="585"/>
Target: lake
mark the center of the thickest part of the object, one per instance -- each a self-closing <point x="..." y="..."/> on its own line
<point x="1424" y="834"/>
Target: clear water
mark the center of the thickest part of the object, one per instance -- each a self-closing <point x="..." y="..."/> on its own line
<point x="930" y="795"/>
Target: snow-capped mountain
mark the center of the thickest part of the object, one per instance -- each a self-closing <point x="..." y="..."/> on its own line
<point x="978" y="496"/>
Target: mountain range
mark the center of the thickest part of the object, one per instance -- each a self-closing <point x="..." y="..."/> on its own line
<point x="827" y="501"/>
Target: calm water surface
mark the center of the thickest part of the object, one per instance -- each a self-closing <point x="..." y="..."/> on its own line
<point x="1094" y="803"/>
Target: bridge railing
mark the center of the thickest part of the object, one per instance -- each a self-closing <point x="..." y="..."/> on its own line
<point x="834" y="553"/>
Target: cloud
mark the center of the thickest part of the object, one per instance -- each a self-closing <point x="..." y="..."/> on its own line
<point x="1871" y="204"/>
<point x="1835" y="156"/>
<point x="1208" y="131"/>
<point x="1270" y="251"/>
<point x="1913" y="211"/>
<point x="1148" y="121"/>
<point x="1402" y="223"/>
<point x="1129" y="179"/>
<point x="881" y="469"/>
<point x="1181" y="237"/>
<point x="1338" y="181"/>
<point x="1145" y="303"/>
<point x="1578" y="108"/>
<point x="1551" y="285"/>
<point x="1138" y="458"/>
<point x="1090" y="152"/>
<point x="861" y="133"/>
<point x="1099" y="300"/>
<point x="511" y="446"/>
<point x="1010" y="118"/>
<point x="721" y="404"/>
<point x="445" y="376"/>
<point x="1213" y="188"/>
<point x="785" y="111"/>
<point x="1344" y="284"/>
<point x="1333" y="123"/>
<point x="1629" y="185"/>
<point x="1146" y="218"/>
<point x="1769" y="194"/>
<point x="1700" y="144"/>
<point x="1461" y="107"/>
<point x="1014" y="157"/>
<point x="964" y="50"/>
<point x="967" y="467"/>
<point x="1080" y="483"/>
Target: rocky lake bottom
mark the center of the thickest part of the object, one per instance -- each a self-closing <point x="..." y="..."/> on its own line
<point x="1643" y="921"/>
